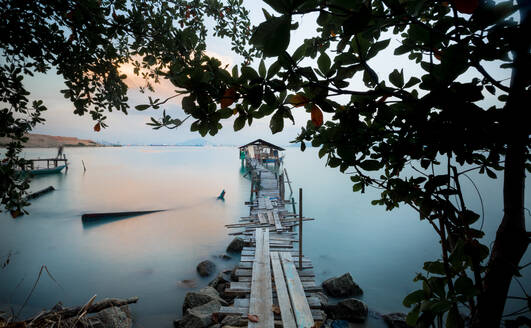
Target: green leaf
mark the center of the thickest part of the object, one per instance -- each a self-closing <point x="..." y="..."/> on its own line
<point x="436" y="267"/>
<point x="357" y="187"/>
<point x="272" y="36"/>
<point x="273" y="69"/>
<point x="412" y="316"/>
<point x="249" y="73"/>
<point x="239" y="123"/>
<point x="376" y="48"/>
<point x="262" y="69"/>
<point x="370" y="165"/>
<point x="397" y="78"/>
<point x="188" y="104"/>
<point x="277" y="122"/>
<point x="412" y="81"/>
<point x="142" y="107"/>
<point x="324" y="63"/>
<point x="414" y="298"/>
<point x="235" y="71"/>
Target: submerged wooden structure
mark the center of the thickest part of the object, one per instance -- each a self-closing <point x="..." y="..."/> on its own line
<point x="275" y="282"/>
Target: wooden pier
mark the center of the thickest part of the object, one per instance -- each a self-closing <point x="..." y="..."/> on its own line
<point x="275" y="282"/>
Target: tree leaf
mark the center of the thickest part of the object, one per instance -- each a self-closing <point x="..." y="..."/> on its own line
<point x="397" y="78"/>
<point x="297" y="100"/>
<point x="317" y="116"/>
<point x="228" y="98"/>
<point x="272" y="36"/>
<point x="142" y="107"/>
<point x="324" y="63"/>
<point x="414" y="298"/>
<point x="262" y="69"/>
<point x="239" y="123"/>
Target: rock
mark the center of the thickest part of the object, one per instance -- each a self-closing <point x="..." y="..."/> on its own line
<point x="327" y="323"/>
<point x="236" y="245"/>
<point x="220" y="283"/>
<point x="342" y="286"/>
<point x="202" y="296"/>
<point x="322" y="297"/>
<point x="206" y="268"/>
<point x="199" y="316"/>
<point x="233" y="321"/>
<point x="225" y="257"/>
<point x="351" y="309"/>
<point x="395" y="320"/>
<point x="340" y="324"/>
<point x="113" y="317"/>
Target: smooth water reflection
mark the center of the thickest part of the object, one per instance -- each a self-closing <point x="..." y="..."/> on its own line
<point x="148" y="255"/>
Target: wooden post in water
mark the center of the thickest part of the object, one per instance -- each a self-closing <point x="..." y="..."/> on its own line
<point x="300" y="229"/>
<point x="84" y="168"/>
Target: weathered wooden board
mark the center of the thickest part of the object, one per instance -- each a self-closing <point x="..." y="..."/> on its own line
<point x="288" y="319"/>
<point x="232" y="310"/>
<point x="276" y="218"/>
<point x="313" y="301"/>
<point x="261" y="300"/>
<point x="247" y="273"/>
<point x="262" y="218"/>
<point x="301" y="309"/>
<point x="246" y="287"/>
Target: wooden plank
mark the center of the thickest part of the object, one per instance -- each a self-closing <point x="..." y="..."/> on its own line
<point x="303" y="279"/>
<point x="278" y="225"/>
<point x="247" y="273"/>
<point x="268" y="204"/>
<point x="243" y="287"/>
<point x="262" y="218"/>
<point x="230" y="310"/>
<point x="313" y="301"/>
<point x="286" y="313"/>
<point x="250" y="258"/>
<point x="301" y="309"/>
<point x="270" y="217"/>
<point x="249" y="265"/>
<point x="261" y="301"/>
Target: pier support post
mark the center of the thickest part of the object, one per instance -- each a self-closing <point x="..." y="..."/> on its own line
<point x="300" y="229"/>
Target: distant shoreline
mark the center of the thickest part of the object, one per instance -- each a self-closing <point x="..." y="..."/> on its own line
<point x="48" y="141"/>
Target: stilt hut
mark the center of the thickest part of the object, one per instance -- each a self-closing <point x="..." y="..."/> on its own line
<point x="262" y="152"/>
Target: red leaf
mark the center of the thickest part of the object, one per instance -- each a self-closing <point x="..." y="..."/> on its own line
<point x="228" y="97"/>
<point x="297" y="100"/>
<point x="317" y="116"/>
<point x="97" y="127"/>
<point x="252" y="317"/>
<point x="466" y="6"/>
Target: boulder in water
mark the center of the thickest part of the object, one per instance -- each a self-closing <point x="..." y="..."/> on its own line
<point x="342" y="286"/>
<point x="206" y="268"/>
<point x="236" y="245"/>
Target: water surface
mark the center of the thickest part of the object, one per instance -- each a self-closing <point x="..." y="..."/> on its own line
<point x="147" y="256"/>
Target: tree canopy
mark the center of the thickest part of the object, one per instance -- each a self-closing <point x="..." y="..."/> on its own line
<point x="435" y="123"/>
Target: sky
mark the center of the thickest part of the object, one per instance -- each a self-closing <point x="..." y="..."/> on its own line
<point x="132" y="128"/>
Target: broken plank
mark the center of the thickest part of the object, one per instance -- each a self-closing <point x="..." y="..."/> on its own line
<point x="301" y="309"/>
<point x="286" y="312"/>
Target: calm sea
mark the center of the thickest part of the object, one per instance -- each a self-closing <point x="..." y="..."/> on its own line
<point x="147" y="256"/>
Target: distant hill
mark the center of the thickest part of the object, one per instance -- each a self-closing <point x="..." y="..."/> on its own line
<point x="193" y="142"/>
<point x="47" y="141"/>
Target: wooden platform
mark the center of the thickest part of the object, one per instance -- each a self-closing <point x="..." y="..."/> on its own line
<point x="270" y="282"/>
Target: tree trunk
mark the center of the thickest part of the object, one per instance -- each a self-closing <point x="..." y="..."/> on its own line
<point x="511" y="238"/>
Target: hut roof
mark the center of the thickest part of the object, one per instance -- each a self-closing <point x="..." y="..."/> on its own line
<point x="262" y="142"/>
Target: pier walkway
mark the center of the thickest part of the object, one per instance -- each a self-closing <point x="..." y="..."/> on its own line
<point x="272" y="288"/>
